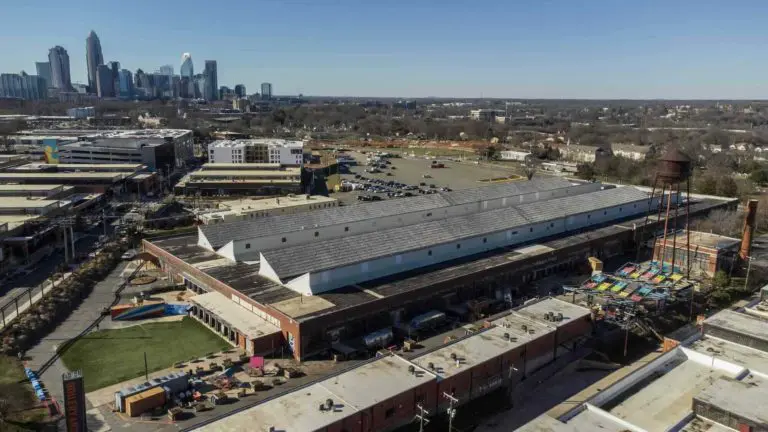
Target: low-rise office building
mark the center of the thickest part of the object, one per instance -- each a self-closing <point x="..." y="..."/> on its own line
<point x="241" y="179"/>
<point x="159" y="149"/>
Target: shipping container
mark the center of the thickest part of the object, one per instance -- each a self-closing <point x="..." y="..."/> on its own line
<point x="145" y="401"/>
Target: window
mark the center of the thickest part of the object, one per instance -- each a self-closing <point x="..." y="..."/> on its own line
<point x="530" y="229"/>
<point x="247" y="245"/>
<point x="605" y="212"/>
<point x="285" y="239"/>
<point x="346" y="229"/>
<point x="514" y="232"/>
<point x="458" y="246"/>
<point x="389" y="412"/>
<point x="419" y="399"/>
<point x="621" y="208"/>
<point x="317" y="233"/>
<point x="485" y="240"/>
<point x="429" y="253"/>
<point x="589" y="216"/>
<point x="552" y="225"/>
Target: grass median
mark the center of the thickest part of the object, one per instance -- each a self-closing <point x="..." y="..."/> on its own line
<point x="108" y="357"/>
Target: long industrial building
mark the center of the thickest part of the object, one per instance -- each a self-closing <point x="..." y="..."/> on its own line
<point x="320" y="281"/>
<point x="503" y="353"/>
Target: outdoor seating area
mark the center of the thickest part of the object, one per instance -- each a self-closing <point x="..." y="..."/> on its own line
<point x="637" y="282"/>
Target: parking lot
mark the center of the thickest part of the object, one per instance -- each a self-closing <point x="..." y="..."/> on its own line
<point x="404" y="175"/>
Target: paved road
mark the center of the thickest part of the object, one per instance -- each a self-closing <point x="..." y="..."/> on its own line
<point x="78" y="321"/>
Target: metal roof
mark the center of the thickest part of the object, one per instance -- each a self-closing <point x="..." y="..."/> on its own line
<point x="220" y="234"/>
<point x="338" y="252"/>
<point x="541" y="211"/>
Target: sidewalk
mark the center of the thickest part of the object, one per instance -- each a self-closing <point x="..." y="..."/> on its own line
<point x="79" y="320"/>
<point x="10" y="313"/>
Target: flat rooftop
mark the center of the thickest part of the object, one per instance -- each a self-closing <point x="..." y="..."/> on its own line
<point x="665" y="398"/>
<point x="744" y="398"/>
<point x="139" y="133"/>
<point x="247" y="173"/>
<point x="10" y="202"/>
<point x="295" y="411"/>
<point x="739" y="355"/>
<point x="357" y="389"/>
<point x="113" y="176"/>
<point x="738" y="322"/>
<point x="29" y="188"/>
<point x="538" y="310"/>
<point x="240" y="166"/>
<point x="248" y="323"/>
<point x="248" y="204"/>
<point x="707" y="240"/>
<point x="14" y="221"/>
<point x="80" y="167"/>
<point x="471" y="351"/>
<point x="377" y="381"/>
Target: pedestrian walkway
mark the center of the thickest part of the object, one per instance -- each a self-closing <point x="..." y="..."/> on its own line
<point x="43" y="357"/>
<point x="24" y="302"/>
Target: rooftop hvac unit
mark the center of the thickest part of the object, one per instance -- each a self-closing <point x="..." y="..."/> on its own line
<point x="524" y="327"/>
<point x="431" y="366"/>
<point x="506" y="336"/>
<point x="454" y="356"/>
<point x="411" y="369"/>
<point x="329" y="404"/>
<point x="559" y="316"/>
<point x="321" y="407"/>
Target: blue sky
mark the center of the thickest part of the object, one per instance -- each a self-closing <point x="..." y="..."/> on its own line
<point x="453" y="48"/>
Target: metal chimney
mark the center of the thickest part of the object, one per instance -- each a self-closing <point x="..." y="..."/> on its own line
<point x="749" y="228"/>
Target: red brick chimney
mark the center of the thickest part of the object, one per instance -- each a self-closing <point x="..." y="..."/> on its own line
<point x="749" y="229"/>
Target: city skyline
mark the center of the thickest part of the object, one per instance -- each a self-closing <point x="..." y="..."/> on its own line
<point x="553" y="50"/>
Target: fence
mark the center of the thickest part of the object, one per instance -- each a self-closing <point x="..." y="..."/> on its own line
<point x="24" y="300"/>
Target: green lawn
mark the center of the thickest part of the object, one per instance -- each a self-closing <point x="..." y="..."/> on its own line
<point x="110" y="356"/>
<point x="13" y="385"/>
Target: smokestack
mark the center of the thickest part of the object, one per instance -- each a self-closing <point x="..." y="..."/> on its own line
<point x="749" y="229"/>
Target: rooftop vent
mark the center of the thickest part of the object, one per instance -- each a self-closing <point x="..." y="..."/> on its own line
<point x="454" y="356"/>
<point x="559" y="316"/>
<point x="329" y="404"/>
<point x="411" y="369"/>
<point x="431" y="366"/>
<point x="524" y="327"/>
<point x="506" y="336"/>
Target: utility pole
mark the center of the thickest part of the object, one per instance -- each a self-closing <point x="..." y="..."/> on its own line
<point x="451" y="410"/>
<point x="422" y="417"/>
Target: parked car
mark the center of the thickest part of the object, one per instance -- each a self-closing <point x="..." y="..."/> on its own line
<point x="129" y="255"/>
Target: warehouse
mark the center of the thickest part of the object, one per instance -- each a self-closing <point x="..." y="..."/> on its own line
<point x="316" y="314"/>
<point x="707" y="384"/>
<point x="397" y="388"/>
<point x="393" y="387"/>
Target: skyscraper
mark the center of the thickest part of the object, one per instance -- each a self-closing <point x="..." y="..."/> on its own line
<point x="94" y="57"/>
<point x="187" y="68"/>
<point x="240" y="90"/>
<point x="126" y="84"/>
<point x="211" y="80"/>
<point x="59" y="60"/>
<point x="23" y="86"/>
<point x="115" y="68"/>
<point x="44" y="72"/>
<point x="266" y="91"/>
<point x="104" y="83"/>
